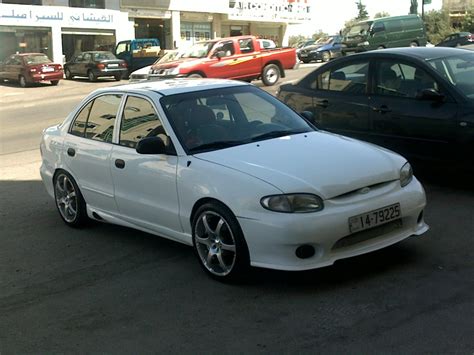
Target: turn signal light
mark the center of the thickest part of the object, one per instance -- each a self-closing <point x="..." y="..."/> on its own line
<point x="100" y="66"/>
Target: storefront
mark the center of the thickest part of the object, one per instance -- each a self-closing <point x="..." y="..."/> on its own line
<point x="151" y="23"/>
<point x="60" y="32"/>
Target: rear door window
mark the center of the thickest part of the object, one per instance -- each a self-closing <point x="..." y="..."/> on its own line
<point x="351" y="78"/>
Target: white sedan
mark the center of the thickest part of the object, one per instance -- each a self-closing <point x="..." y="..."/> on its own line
<point x="230" y="170"/>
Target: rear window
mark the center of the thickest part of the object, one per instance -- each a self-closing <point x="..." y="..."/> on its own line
<point x="37" y="59"/>
<point x="104" y="56"/>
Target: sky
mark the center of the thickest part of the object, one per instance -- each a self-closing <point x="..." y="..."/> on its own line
<point x="330" y="15"/>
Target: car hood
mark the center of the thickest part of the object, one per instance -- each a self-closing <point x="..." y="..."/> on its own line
<point x="179" y="62"/>
<point x="316" y="162"/>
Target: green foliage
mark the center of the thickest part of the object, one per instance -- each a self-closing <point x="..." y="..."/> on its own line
<point x="294" y="40"/>
<point x="319" y="35"/>
<point x="467" y="24"/>
<point x="438" y="25"/>
<point x="348" y="24"/>
<point x="382" y="14"/>
<point x="363" y="14"/>
<point x="414" y="7"/>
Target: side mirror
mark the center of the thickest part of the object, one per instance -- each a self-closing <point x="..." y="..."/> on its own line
<point x="430" y="95"/>
<point x="151" y="145"/>
<point x="219" y="54"/>
<point x="309" y="116"/>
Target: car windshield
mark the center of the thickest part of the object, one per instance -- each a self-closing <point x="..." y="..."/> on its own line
<point x="221" y="118"/>
<point x="198" y="50"/>
<point x="37" y="59"/>
<point x="359" y="29"/>
<point x="104" y="56"/>
<point x="458" y="70"/>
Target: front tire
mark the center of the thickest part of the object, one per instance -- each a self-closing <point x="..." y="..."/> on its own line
<point x="54" y="82"/>
<point x="92" y="77"/>
<point x="326" y="56"/>
<point x="68" y="74"/>
<point x="69" y="201"/>
<point x="270" y="74"/>
<point x="195" y="76"/>
<point x="414" y="44"/>
<point x="219" y="243"/>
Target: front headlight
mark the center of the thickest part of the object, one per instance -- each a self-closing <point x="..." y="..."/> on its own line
<point x="293" y="203"/>
<point x="366" y="43"/>
<point x="315" y="50"/>
<point x="406" y="174"/>
<point x="173" y="71"/>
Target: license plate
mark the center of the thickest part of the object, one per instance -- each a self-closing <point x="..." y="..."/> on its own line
<point x="47" y="69"/>
<point x="374" y="218"/>
<point x="303" y="55"/>
<point x="113" y="65"/>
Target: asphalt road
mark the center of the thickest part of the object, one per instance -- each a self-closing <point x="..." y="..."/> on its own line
<point x="110" y="289"/>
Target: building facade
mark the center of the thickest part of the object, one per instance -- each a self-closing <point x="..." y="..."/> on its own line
<point x="458" y="9"/>
<point x="62" y="28"/>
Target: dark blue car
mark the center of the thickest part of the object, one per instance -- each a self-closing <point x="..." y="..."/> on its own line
<point x="324" y="49"/>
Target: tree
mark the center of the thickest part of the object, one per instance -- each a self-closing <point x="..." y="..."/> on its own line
<point x="363" y="14"/>
<point x="294" y="40"/>
<point x="414" y="7"/>
<point x="468" y="22"/>
<point x="382" y="14"/>
<point x="438" y="25"/>
<point x="319" y="34"/>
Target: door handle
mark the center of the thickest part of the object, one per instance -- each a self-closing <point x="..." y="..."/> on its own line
<point x="119" y="163"/>
<point x="71" y="152"/>
<point x="381" y="109"/>
<point x="322" y="103"/>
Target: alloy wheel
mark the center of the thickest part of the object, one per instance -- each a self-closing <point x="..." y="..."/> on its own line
<point x="66" y="198"/>
<point x="215" y="243"/>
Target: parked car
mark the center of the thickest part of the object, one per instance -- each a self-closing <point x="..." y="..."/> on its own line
<point x="324" y="49"/>
<point x="29" y="68"/>
<point x="416" y="101"/>
<point x="143" y="73"/>
<point x="266" y="43"/>
<point x="95" y="64"/>
<point x="230" y="170"/>
<point x="138" y="53"/>
<point x="229" y="58"/>
<point x="385" y="32"/>
<point x="457" y="40"/>
<point x="303" y="44"/>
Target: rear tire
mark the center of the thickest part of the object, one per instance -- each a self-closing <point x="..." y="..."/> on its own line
<point x="54" y="82"/>
<point x="219" y="243"/>
<point x="270" y="74"/>
<point x="69" y="201"/>
<point x="195" y="76"/>
<point x="118" y="77"/>
<point x="23" y="82"/>
<point x="414" y="44"/>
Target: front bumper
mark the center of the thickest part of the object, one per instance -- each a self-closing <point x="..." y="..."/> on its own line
<point x="273" y="240"/>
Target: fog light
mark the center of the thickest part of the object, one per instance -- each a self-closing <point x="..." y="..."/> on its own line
<point x="305" y="251"/>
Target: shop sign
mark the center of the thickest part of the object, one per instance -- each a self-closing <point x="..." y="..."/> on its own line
<point x="270" y="10"/>
<point x="149" y="13"/>
<point x="31" y="15"/>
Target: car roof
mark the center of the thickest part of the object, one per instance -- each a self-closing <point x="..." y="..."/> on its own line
<point x="175" y="86"/>
<point x="424" y="53"/>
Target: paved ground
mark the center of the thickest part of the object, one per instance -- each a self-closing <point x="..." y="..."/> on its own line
<point x="111" y="289"/>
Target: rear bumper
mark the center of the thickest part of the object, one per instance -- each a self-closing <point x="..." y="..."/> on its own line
<point x="110" y="72"/>
<point x="37" y="77"/>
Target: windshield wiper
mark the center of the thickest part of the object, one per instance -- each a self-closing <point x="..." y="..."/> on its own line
<point x="276" y="134"/>
<point x="215" y="145"/>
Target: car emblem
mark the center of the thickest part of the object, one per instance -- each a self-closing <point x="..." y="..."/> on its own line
<point x="364" y="190"/>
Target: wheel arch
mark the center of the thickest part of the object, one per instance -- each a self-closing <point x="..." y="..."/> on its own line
<point x="278" y="64"/>
<point x="202" y="201"/>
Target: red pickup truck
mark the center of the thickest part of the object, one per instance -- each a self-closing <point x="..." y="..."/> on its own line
<point x="229" y="58"/>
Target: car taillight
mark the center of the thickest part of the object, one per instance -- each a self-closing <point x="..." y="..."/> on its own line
<point x="470" y="38"/>
<point x="100" y="66"/>
<point x="123" y="64"/>
<point x="59" y="67"/>
<point x="32" y="70"/>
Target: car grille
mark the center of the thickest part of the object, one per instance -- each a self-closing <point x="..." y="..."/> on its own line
<point x="358" y="191"/>
<point x="368" y="234"/>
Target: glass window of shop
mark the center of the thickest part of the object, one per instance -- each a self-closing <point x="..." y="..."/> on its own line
<point x="235" y="30"/>
<point x="93" y="4"/>
<point x="77" y="41"/>
<point x="192" y="32"/>
<point x="152" y="28"/>
<point x="15" y="39"/>
<point x="23" y="2"/>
